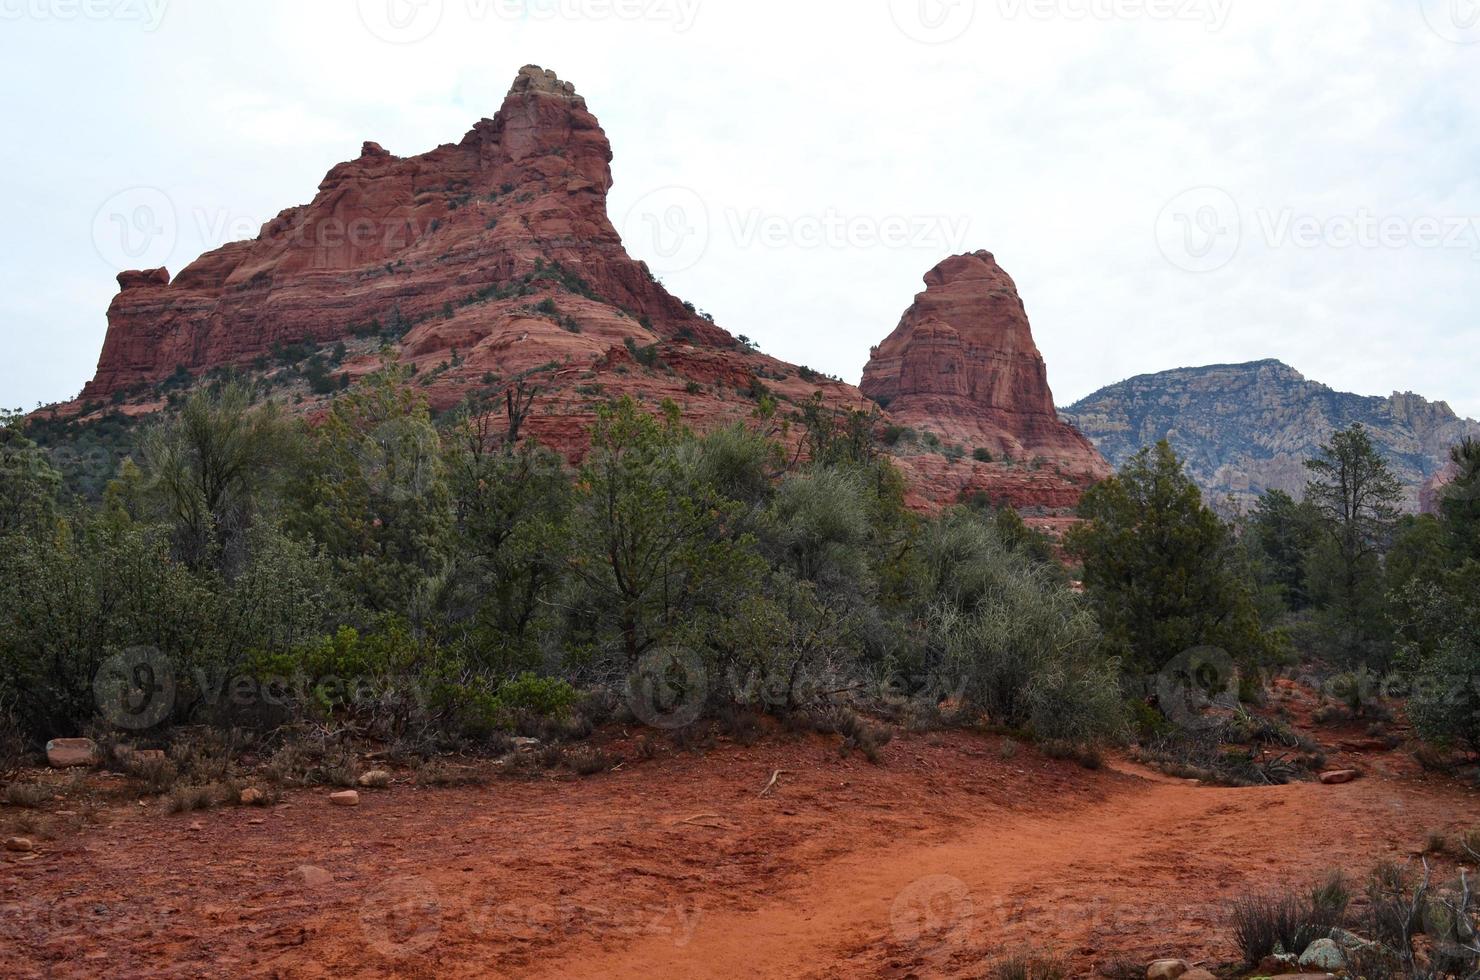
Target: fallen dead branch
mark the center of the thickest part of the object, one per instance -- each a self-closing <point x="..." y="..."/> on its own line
<point x="775" y="777"/>
<point x="697" y="818"/>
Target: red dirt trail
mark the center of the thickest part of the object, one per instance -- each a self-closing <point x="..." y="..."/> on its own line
<point x="949" y="854"/>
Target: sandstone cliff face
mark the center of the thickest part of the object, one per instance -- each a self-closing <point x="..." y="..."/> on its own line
<point x="963" y="365"/>
<point x="482" y="260"/>
<point x="1244" y="429"/>
<point x="390" y="238"/>
<point x="494" y="258"/>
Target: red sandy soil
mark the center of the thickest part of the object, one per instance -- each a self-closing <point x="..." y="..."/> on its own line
<point x="950" y="853"/>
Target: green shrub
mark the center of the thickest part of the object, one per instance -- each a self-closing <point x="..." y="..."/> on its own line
<point x="645" y="356"/>
<point x="1147" y="723"/>
<point x="893" y="435"/>
<point x="548" y="697"/>
<point x="1026" y="651"/>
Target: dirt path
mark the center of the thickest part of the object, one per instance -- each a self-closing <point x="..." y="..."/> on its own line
<point x="1145" y="872"/>
<point x="930" y="865"/>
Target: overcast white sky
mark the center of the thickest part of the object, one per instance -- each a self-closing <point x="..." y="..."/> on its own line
<point x="1171" y="182"/>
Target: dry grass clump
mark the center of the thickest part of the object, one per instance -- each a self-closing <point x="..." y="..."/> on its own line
<point x="1086" y="756"/>
<point x="1288" y="920"/>
<point x="25" y="795"/>
<point x="589" y="762"/>
<point x="442" y="774"/>
<point x="858" y="734"/>
<point x="189" y="798"/>
<point x="1030" y="967"/>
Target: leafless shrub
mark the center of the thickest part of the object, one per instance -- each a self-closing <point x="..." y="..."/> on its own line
<point x="1262" y="923"/>
<point x="1433" y="759"/>
<point x="344" y="773"/>
<point x="12" y="744"/>
<point x="738" y="724"/>
<point x="1123" y="970"/>
<point x="589" y="762"/>
<point x="442" y="774"/>
<point x="1086" y="756"/>
<point x="187" y="799"/>
<point x="155" y="774"/>
<point x="1202" y="753"/>
<point x="858" y="734"/>
<point x="1404" y="906"/>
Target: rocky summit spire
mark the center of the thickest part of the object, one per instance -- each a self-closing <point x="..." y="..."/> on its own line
<point x="533" y="78"/>
<point x="962" y="363"/>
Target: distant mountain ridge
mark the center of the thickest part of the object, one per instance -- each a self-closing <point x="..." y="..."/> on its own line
<point x="1244" y="429"/>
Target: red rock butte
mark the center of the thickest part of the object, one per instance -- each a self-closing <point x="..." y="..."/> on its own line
<point x="494" y="258"/>
<point x="962" y="364"/>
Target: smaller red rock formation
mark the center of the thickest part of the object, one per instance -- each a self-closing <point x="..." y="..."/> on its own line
<point x="963" y="365"/>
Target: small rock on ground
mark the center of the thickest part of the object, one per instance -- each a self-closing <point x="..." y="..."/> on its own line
<point x="1323" y="954"/>
<point x="20" y="845"/>
<point x="67" y="753"/>
<point x="1277" y="964"/>
<point x="1167" y="970"/>
<point x="347" y="798"/>
<point x="1339" y="777"/>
